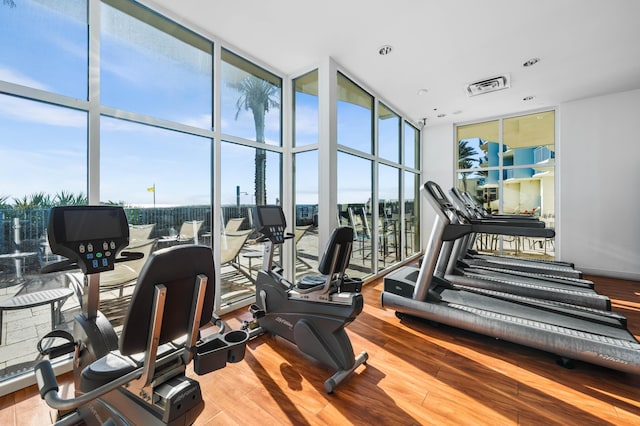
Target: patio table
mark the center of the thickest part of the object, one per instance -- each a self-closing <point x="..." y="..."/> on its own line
<point x="18" y="257"/>
<point x="55" y="297"/>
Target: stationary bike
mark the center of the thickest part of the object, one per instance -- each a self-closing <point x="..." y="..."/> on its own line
<point x="313" y="313"/>
<point x="144" y="381"/>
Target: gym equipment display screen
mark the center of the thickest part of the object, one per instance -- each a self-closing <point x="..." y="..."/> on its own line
<point x="95" y="224"/>
<point x="270" y="216"/>
<point x="92" y="236"/>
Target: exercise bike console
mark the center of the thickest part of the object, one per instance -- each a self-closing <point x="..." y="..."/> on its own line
<point x="91" y="235"/>
<point x="271" y="223"/>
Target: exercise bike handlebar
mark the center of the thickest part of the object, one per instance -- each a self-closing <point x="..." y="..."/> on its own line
<point x="266" y="238"/>
<point x="48" y="387"/>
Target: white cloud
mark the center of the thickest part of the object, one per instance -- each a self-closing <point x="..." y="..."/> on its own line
<point x="36" y="112"/>
<point x="7" y="74"/>
<point x="202" y="122"/>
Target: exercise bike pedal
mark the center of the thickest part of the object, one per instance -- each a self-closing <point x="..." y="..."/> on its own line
<point x="53" y="352"/>
<point x="256" y="311"/>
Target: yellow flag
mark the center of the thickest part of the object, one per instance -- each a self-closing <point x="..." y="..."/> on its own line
<point x="152" y="188"/>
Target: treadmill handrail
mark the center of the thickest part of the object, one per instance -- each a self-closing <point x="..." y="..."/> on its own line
<point x="522" y="231"/>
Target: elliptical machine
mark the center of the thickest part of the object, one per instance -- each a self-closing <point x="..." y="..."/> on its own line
<point x="144" y="381"/>
<point x="313" y="313"/>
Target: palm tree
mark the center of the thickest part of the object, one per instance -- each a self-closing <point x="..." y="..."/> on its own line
<point x="465" y="159"/>
<point x="3" y="202"/>
<point x="258" y="96"/>
<point x="65" y="198"/>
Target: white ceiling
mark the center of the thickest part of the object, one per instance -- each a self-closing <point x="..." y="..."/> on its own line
<point x="586" y="47"/>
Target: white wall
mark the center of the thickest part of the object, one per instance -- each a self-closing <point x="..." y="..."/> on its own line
<point x="438" y="161"/>
<point x="598" y="169"/>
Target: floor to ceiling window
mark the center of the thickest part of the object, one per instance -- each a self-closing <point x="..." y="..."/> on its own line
<point x="507" y="166"/>
<point x="378" y="165"/>
<point x="121" y="112"/>
<point x="305" y="146"/>
<point x="251" y="164"/>
<point x="43" y="146"/>
<point x="411" y="193"/>
<point x="155" y="135"/>
<point x="46" y="46"/>
<point x="355" y="168"/>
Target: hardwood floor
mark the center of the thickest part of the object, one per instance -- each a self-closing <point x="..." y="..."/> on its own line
<point x="417" y="373"/>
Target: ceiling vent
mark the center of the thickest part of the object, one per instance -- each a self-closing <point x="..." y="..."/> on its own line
<point x="488" y="85"/>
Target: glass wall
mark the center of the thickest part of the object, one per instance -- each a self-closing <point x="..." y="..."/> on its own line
<point x="305" y="109"/>
<point x="46" y="45"/>
<point x="388" y="134"/>
<point x="383" y="208"/>
<point x="355" y="116"/>
<point x="411" y="191"/>
<point x="354" y="208"/>
<point x="250" y="100"/>
<point x="507" y="166"/>
<point x="411" y="146"/>
<point x="150" y="145"/>
<point x="63" y="149"/>
<point x="240" y="254"/>
<point x="306" y="197"/>
<point x="388" y="223"/>
<point x="411" y="228"/>
<point x="43" y="147"/>
<point x="250" y="168"/>
<point x="306" y="211"/>
<point x="134" y="45"/>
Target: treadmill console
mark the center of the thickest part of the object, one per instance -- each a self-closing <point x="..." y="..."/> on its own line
<point x="270" y="222"/>
<point x="89" y="235"/>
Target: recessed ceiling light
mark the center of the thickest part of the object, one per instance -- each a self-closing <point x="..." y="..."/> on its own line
<point x="442" y="115"/>
<point x="385" y="50"/>
<point x="531" y="62"/>
<point x="528" y="98"/>
<point x="422" y="92"/>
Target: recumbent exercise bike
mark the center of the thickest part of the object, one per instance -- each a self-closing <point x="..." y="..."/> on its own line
<point x="144" y="382"/>
<point x="313" y="313"/>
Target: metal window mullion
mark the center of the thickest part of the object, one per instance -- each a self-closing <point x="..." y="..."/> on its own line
<point x="135" y="117"/>
<point x="286" y="172"/>
<point x="217" y="174"/>
<point x="500" y="180"/>
<point x="375" y="199"/>
<point x="93" y="129"/>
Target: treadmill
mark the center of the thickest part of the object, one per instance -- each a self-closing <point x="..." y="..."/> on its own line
<point x="573" y="333"/>
<point x="457" y="267"/>
<point x="537" y="266"/>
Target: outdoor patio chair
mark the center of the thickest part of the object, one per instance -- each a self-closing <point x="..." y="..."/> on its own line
<point x="230" y="246"/>
<point x="234" y="224"/>
<point x="188" y="233"/>
<point x="362" y="233"/>
<point x="298" y="233"/>
<point x="140" y="232"/>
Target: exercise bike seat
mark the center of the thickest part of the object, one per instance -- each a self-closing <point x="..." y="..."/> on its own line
<point x="334" y="260"/>
<point x="114" y="365"/>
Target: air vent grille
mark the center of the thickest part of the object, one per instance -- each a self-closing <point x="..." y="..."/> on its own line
<point x="488" y="85"/>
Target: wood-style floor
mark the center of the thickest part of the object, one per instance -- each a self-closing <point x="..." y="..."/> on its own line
<point x="417" y="373"/>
